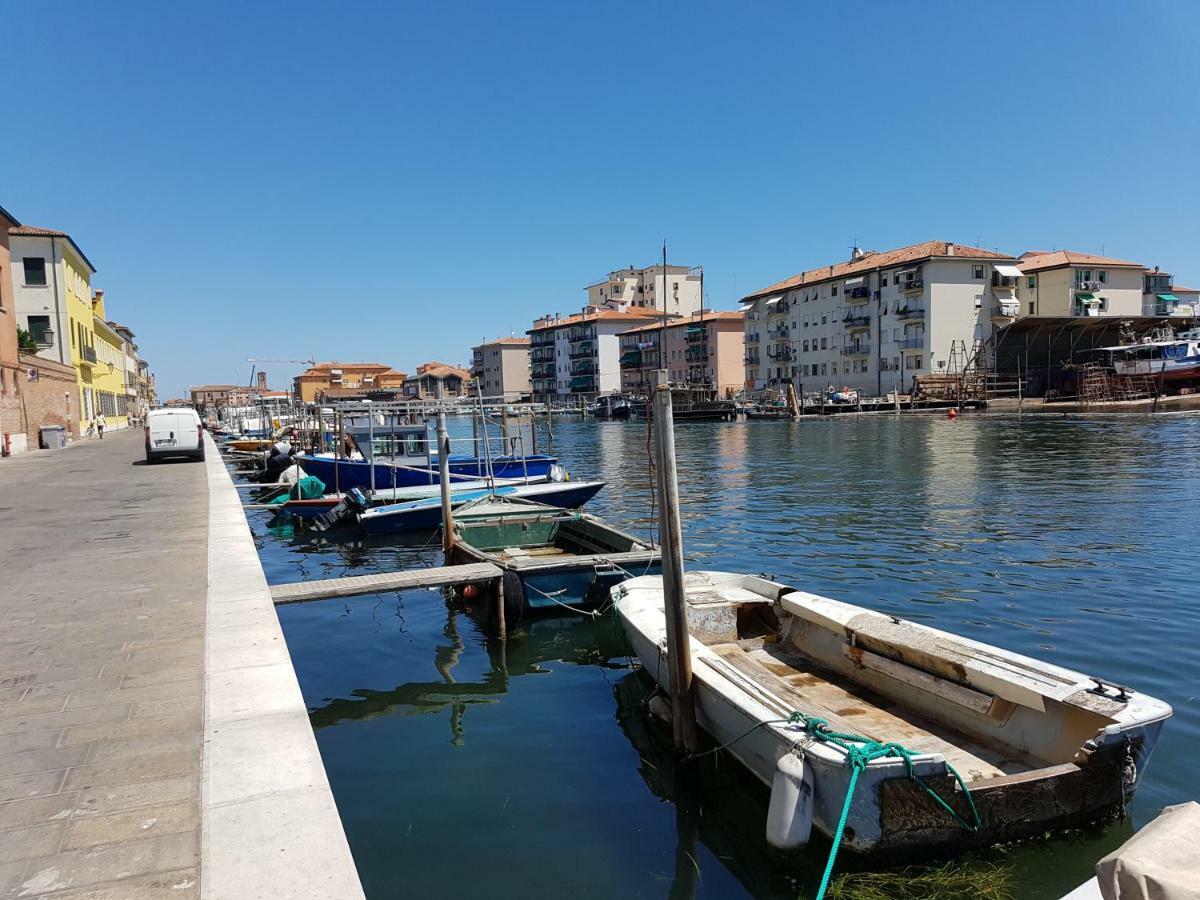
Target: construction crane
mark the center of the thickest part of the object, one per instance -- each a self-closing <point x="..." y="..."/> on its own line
<point x="256" y="361"/>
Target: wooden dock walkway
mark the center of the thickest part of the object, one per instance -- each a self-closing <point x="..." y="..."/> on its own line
<point x="303" y="591"/>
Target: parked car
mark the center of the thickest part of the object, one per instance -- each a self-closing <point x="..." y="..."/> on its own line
<point x="173" y="432"/>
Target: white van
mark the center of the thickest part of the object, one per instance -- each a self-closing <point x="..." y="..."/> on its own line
<point x="173" y="432"/>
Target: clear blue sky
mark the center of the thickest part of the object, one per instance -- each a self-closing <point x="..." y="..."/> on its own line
<point x="395" y="182"/>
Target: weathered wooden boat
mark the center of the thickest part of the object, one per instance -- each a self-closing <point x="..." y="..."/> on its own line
<point x="610" y="406"/>
<point x="426" y="513"/>
<point x="816" y="697"/>
<point x="551" y="558"/>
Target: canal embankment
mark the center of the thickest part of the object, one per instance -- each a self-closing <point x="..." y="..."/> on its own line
<point x="153" y="740"/>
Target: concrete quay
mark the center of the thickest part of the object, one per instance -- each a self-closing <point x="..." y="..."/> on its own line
<point x="153" y="739"/>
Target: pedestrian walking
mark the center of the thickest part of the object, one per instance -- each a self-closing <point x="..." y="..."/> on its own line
<point x="100" y="423"/>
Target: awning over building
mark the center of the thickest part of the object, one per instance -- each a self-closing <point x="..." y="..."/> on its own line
<point x="854" y="282"/>
<point x="1008" y="271"/>
<point x="752" y="300"/>
<point x="1169" y="298"/>
<point x="1084" y="296"/>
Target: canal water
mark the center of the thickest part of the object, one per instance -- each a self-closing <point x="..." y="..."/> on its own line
<point x="463" y="766"/>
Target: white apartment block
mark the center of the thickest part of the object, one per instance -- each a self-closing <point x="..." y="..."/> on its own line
<point x="682" y="286"/>
<point x="1068" y="283"/>
<point x="579" y="356"/>
<point x="1162" y="297"/>
<point x="878" y="320"/>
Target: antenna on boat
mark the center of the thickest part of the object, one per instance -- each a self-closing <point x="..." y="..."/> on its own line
<point x="679" y="654"/>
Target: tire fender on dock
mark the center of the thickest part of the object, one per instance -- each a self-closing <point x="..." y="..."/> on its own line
<point x="790" y="815"/>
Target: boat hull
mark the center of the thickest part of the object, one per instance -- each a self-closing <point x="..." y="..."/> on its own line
<point x="426" y="514"/>
<point x="344" y="474"/>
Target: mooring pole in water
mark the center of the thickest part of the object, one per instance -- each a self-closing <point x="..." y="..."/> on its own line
<point x="443" y="439"/>
<point x="793" y="406"/>
<point x="679" y="654"/>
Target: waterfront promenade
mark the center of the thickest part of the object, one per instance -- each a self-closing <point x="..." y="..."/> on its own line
<point x="152" y="738"/>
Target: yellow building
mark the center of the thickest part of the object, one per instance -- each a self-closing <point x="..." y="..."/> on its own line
<point x="108" y="373"/>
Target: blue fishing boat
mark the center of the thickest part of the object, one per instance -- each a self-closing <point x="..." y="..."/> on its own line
<point x="426" y="513"/>
<point x="399" y="456"/>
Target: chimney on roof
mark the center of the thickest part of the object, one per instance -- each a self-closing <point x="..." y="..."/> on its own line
<point x="856" y="253"/>
<point x="949" y="248"/>
<point x="1156" y="270"/>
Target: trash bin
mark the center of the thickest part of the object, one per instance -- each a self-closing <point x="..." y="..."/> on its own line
<point x="53" y="437"/>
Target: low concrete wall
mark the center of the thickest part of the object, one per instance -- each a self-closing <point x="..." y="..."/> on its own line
<point x="269" y="826"/>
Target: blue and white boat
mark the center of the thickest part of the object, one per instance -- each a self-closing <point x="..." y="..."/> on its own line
<point x="426" y="513"/>
<point x="399" y="456"/>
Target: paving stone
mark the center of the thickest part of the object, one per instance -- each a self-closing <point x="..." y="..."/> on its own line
<point x="128" y="728"/>
<point x="162" y="675"/>
<point x="31" y="842"/>
<point x="47" y="721"/>
<point x="33" y="740"/>
<point x="179" y="707"/>
<point x="131" y="771"/>
<point x="118" y="797"/>
<point x="16" y="787"/>
<point x="63" y="688"/>
<point x="95" y="866"/>
<point x="182" y="884"/>
<point x="143" y="745"/>
<point x="37" y="810"/>
<point x="192" y="687"/>
<point x="41" y="760"/>
<point x="138" y="824"/>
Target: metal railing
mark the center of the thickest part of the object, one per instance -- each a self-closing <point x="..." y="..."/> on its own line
<point x="916" y="343"/>
<point x="910" y="312"/>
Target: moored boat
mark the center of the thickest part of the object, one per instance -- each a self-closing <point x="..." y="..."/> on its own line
<point x="425" y="513"/>
<point x="551" y="557"/>
<point x="815" y="697"/>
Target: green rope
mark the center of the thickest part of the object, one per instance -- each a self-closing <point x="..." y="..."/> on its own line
<point x="860" y="752"/>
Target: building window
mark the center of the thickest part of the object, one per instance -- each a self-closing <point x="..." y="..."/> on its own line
<point x="824" y="343"/>
<point x="824" y="367"/>
<point x="38" y="326"/>
<point x="35" y="271"/>
<point x="883" y="280"/>
<point x="1031" y="281"/>
<point x="833" y="368"/>
<point x="1031" y="307"/>
<point x="979" y="302"/>
<point x="833" y="290"/>
<point x="1103" y="304"/>
<point x="823" y="320"/>
<point x="1102" y="277"/>
<point x="978" y="271"/>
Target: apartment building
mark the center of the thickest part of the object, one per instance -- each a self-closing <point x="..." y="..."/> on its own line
<point x="1162" y="297"/>
<point x="681" y="286"/>
<point x="704" y="349"/>
<point x="436" y="380"/>
<point x="578" y="356"/>
<point x="878" y="320"/>
<point x="334" y="379"/>
<point x="501" y="367"/>
<point x="1069" y="283"/>
<point x="212" y="397"/>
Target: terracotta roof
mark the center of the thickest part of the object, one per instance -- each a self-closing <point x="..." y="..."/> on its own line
<point x="874" y="260"/>
<point x="33" y="231"/>
<point x="441" y="370"/>
<point x="370" y="368"/>
<point x="722" y="316"/>
<point x="1182" y="289"/>
<point x="1060" y="258"/>
<point x="219" y="387"/>
<point x="506" y="340"/>
<point x="604" y="315"/>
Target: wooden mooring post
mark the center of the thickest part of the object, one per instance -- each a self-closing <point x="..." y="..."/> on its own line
<point x="679" y="654"/>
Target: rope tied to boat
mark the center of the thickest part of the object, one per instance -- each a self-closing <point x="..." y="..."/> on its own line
<point x="861" y="752"/>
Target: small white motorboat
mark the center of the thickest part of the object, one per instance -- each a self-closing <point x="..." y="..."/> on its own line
<point x="816" y="697"/>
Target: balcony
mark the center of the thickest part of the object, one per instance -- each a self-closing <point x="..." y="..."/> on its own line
<point x="542" y="354"/>
<point x="784" y="354"/>
<point x="910" y="314"/>
<point x="87" y="355"/>
<point x="586" y="367"/>
<point x="582" y="384"/>
<point x="1005" y="312"/>
<point x="696" y="353"/>
<point x="752" y="338"/>
<point x="543" y="370"/>
<point x="751" y="360"/>
<point x="858" y="293"/>
<point x="695" y="333"/>
<point x="857" y="323"/>
<point x="913" y="284"/>
<point x="856" y="350"/>
<point x="1082" y="285"/>
<point x="914" y="343"/>
<point x="583" y="334"/>
<point x="585" y="350"/>
<point x="631" y="359"/>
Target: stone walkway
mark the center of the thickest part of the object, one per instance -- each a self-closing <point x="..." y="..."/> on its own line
<point x="103" y="580"/>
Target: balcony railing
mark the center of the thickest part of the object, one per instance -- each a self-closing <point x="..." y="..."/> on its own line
<point x="916" y="343"/>
<point x="786" y="354"/>
<point x="696" y="353"/>
<point x="631" y="359"/>
<point x="582" y="351"/>
<point x="859" y="293"/>
<point x="750" y="360"/>
<point x="695" y="333"/>
<point x="777" y="334"/>
<point x="913" y="284"/>
<point x="575" y="337"/>
<point x="910" y="313"/>
<point x="585" y="368"/>
<point x="582" y="384"/>
<point x="853" y="322"/>
<point x="856" y="350"/>
<point x="752" y="338"/>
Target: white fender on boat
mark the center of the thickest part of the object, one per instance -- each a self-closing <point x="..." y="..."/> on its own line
<point x="790" y="815"/>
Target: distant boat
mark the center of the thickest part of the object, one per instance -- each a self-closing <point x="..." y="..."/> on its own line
<point x="1163" y="357"/>
<point x="551" y="558"/>
<point x="610" y="406"/>
<point x="416" y="515"/>
<point x="1038" y="747"/>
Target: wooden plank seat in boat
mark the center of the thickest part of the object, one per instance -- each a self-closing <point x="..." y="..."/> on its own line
<point x="1025" y="682"/>
<point x="796" y="684"/>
